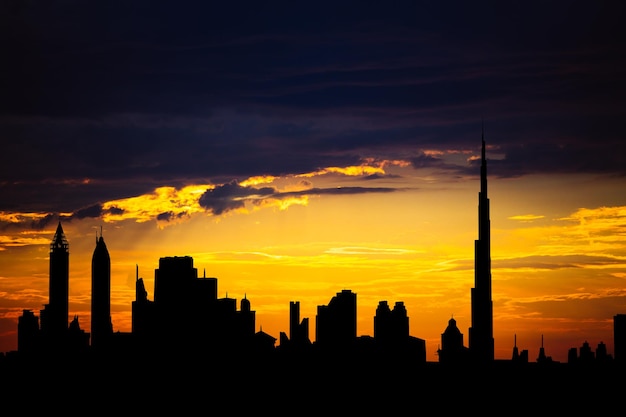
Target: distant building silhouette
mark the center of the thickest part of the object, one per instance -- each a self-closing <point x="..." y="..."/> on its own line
<point x="336" y="322"/>
<point x="452" y="350"/>
<point x="28" y="333"/>
<point x="481" y="342"/>
<point x="54" y="316"/>
<point x="101" y="325"/>
<point x="78" y="340"/>
<point x="391" y="326"/>
<point x="143" y="311"/>
<point x="602" y="355"/>
<point x="542" y="357"/>
<point x="391" y="335"/>
<point x="585" y="356"/>
<point x="298" y="330"/>
<point x="519" y="357"/>
<point x="619" y="338"/>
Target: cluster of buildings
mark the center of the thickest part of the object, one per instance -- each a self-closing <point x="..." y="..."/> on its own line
<point x="186" y="318"/>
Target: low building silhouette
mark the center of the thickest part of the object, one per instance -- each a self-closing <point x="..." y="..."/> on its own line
<point x="452" y="351"/>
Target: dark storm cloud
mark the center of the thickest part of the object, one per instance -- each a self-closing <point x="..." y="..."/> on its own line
<point x="170" y="216"/>
<point x="380" y="176"/>
<point x="134" y="95"/>
<point x="231" y="196"/>
<point x="94" y="211"/>
<point x="342" y="191"/>
<point x="42" y="223"/>
<point x="425" y="161"/>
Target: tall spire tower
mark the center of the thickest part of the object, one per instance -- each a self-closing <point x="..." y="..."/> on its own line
<point x="101" y="327"/>
<point x="481" y="344"/>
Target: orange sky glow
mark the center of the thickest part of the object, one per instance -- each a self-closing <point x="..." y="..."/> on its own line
<point x="558" y="256"/>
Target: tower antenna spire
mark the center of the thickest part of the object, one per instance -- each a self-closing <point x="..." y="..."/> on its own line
<point x="483" y="155"/>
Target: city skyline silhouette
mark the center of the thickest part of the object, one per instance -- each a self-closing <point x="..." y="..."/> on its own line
<point x="187" y="318"/>
<point x="187" y="334"/>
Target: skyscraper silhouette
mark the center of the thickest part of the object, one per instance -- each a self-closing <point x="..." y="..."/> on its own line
<point x="481" y="342"/>
<point x="54" y="316"/>
<point x="336" y="322"/>
<point x="101" y="326"/>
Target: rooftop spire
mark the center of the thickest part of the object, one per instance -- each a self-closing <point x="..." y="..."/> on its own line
<point x="483" y="140"/>
<point x="59" y="241"/>
<point x="483" y="166"/>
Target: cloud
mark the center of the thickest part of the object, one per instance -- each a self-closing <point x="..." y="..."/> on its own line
<point x="359" y="250"/>
<point x="574" y="306"/>
<point x="549" y="262"/>
<point x="343" y="191"/>
<point x="162" y="204"/>
<point x="35" y="221"/>
<point x="16" y="241"/>
<point x="526" y="217"/>
<point x="94" y="211"/>
<point x="231" y="196"/>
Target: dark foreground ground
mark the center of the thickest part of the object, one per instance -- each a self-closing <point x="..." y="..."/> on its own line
<point x="218" y="386"/>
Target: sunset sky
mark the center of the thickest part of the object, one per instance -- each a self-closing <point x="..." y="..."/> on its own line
<point x="296" y="149"/>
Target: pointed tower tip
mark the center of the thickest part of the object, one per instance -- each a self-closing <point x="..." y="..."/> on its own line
<point x="484" y="146"/>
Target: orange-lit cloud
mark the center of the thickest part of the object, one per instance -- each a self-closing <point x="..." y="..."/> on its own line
<point x="349" y="171"/>
<point x="21" y="240"/>
<point x="258" y="180"/>
<point x="433" y="153"/>
<point x="164" y="200"/>
<point x="7" y="217"/>
<point x="388" y="162"/>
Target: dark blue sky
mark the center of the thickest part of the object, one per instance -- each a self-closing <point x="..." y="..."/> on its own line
<point x="136" y="95"/>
